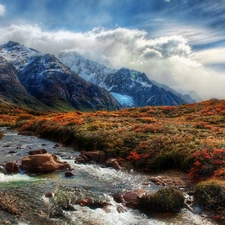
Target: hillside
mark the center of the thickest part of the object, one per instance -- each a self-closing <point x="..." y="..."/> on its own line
<point x="151" y="138"/>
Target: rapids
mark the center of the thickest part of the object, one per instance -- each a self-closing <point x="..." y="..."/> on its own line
<point x="93" y="181"/>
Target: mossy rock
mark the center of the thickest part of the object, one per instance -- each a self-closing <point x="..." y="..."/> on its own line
<point x="165" y="200"/>
<point x="210" y="194"/>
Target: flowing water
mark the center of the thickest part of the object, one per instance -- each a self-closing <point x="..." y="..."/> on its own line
<point x="89" y="181"/>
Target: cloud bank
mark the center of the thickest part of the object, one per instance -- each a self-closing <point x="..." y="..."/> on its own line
<point x="2" y="10"/>
<point x="168" y="59"/>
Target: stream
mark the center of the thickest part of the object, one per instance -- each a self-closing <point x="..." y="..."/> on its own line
<point x="89" y="180"/>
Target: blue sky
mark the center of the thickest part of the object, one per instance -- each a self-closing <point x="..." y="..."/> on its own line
<point x="81" y="15"/>
<point x="180" y="43"/>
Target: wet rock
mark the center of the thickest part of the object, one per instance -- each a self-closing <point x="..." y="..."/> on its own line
<point x="11" y="167"/>
<point x="69" y="174"/>
<point x="21" y="147"/>
<point x="85" y="201"/>
<point x="56" y="145"/>
<point x="97" y="156"/>
<point x="12" y="152"/>
<point x="120" y="209"/>
<point x="43" y="163"/>
<point x="57" y="213"/>
<point x="6" y="146"/>
<point x="112" y="162"/>
<point x="49" y="195"/>
<point x="79" y="160"/>
<point x="68" y="207"/>
<point x="130" y="199"/>
<point x="39" y="151"/>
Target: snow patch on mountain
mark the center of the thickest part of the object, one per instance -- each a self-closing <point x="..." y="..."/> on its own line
<point x="87" y="69"/>
<point x="17" y="54"/>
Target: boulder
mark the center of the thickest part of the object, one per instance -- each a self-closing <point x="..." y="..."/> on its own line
<point x="85" y="201"/>
<point x="131" y="199"/>
<point x="86" y="157"/>
<point x="69" y="174"/>
<point x="112" y="162"/>
<point x="39" y="151"/>
<point x="11" y="167"/>
<point x="43" y="163"/>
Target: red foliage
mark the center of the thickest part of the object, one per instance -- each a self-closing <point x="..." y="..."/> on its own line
<point x="206" y="162"/>
<point x="133" y="156"/>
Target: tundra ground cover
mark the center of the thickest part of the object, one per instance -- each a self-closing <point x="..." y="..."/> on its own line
<point x="150" y="138"/>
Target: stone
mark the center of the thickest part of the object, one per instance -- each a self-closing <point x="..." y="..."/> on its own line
<point x="69" y="174"/>
<point x="39" y="151"/>
<point x="130" y="199"/>
<point x="97" y="156"/>
<point x="85" y="201"/>
<point x="49" y="195"/>
<point x="112" y="162"/>
<point x="43" y="163"/>
<point x="11" y="167"/>
<point x="12" y="152"/>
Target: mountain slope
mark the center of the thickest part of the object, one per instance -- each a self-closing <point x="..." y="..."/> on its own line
<point x="137" y="86"/>
<point x="130" y="88"/>
<point x="48" y="80"/>
<point x="12" y="91"/>
<point x="87" y="69"/>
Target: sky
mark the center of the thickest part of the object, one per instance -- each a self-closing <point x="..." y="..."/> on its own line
<point x="180" y="43"/>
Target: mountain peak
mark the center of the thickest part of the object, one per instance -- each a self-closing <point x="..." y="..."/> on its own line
<point x="10" y="44"/>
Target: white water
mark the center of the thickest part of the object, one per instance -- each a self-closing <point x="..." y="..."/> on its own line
<point x="14" y="178"/>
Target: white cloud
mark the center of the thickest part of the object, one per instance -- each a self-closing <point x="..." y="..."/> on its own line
<point x="2" y="10"/>
<point x="214" y="56"/>
<point x="167" y="59"/>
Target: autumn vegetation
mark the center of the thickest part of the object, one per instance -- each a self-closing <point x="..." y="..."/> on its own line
<point x="154" y="138"/>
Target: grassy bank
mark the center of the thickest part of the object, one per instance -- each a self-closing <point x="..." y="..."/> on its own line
<point x="150" y="138"/>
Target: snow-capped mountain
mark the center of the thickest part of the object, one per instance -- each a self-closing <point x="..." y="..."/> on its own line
<point x="130" y="88"/>
<point x="48" y="80"/>
<point x="87" y="69"/>
<point x="139" y="88"/>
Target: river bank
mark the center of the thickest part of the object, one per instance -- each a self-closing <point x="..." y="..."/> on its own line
<point x="28" y="192"/>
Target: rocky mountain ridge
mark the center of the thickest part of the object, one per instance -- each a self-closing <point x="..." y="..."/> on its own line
<point x="131" y="88"/>
<point x="49" y="81"/>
